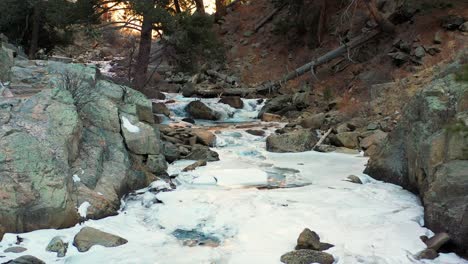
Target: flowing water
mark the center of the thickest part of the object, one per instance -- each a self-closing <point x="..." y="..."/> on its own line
<point x="250" y="206"/>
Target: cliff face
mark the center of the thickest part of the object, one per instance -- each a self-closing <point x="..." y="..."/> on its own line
<point x="427" y="153"/>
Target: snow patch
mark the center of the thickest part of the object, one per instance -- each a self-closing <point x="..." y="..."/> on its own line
<point x="76" y="178"/>
<point x="83" y="209"/>
<point x="129" y="126"/>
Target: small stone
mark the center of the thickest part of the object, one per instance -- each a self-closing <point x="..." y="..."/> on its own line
<point x="256" y="132"/>
<point x="354" y="179"/>
<point x="372" y="126"/>
<point x="428" y="253"/>
<point x="189" y="120"/>
<point x="88" y="237"/>
<point x="452" y="22"/>
<point x="57" y="245"/>
<point x="464" y="27"/>
<point x="248" y="33"/>
<point x="308" y="239"/>
<point x="15" y="250"/>
<point x="419" y="52"/>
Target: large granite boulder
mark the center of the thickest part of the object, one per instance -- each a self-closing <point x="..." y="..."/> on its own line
<point x="307" y="256"/>
<point x="68" y="145"/>
<point x="427" y="153"/>
<point x="199" y="110"/>
<point x="296" y="141"/>
<point x="88" y="237"/>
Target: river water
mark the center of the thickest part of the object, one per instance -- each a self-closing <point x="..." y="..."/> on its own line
<point x="250" y="207"/>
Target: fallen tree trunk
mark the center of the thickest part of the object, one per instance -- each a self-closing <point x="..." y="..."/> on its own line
<point x="322" y="138"/>
<point x="267" y="18"/>
<point x="212" y="93"/>
<point x="356" y="42"/>
<point x="223" y="77"/>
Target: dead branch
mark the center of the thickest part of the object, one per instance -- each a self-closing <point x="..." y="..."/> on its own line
<point x="267" y="18"/>
<point x="323" y="138"/>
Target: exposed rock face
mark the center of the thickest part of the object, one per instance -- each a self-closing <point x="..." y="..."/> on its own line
<point x="296" y="141"/>
<point x="428" y="153"/>
<point x="307" y="256"/>
<point x="199" y="110"/>
<point x="88" y="237"/>
<point x="60" y="149"/>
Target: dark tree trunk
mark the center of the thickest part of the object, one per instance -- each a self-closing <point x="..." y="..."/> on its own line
<point x="220" y="9"/>
<point x="36" y="20"/>
<point x="177" y="6"/>
<point x="144" y="51"/>
<point x="200" y="6"/>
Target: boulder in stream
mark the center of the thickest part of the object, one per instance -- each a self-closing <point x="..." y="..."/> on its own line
<point x="26" y="259"/>
<point x="198" y="110"/>
<point x="296" y="141"/>
<point x="307" y="256"/>
<point x="88" y="237"/>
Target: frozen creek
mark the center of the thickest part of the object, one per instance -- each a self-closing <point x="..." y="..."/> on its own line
<point x="222" y="203"/>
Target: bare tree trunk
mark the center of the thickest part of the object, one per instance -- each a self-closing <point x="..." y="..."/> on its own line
<point x="144" y="52"/>
<point x="384" y="24"/>
<point x="35" y="31"/>
<point x="177" y="6"/>
<point x="322" y="21"/>
<point x="200" y="6"/>
<point x="220" y="9"/>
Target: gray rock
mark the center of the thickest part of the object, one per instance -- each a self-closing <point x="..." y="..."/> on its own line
<point x="198" y="110"/>
<point x="140" y="138"/>
<point x="419" y="52"/>
<point x="464" y="27"/>
<point x="233" y="101"/>
<point x="308" y="240"/>
<point x="6" y="62"/>
<point x="171" y="152"/>
<point x="161" y="108"/>
<point x="27" y="259"/>
<point x="297" y="141"/>
<point x="375" y="138"/>
<point x="57" y="245"/>
<point x="345" y="139"/>
<point x="256" y="132"/>
<point x="354" y="179"/>
<point x="200" y="152"/>
<point x="204" y="137"/>
<point x="301" y="100"/>
<point x="452" y="22"/>
<point x="307" y="256"/>
<point x="313" y="122"/>
<point x="438" y="37"/>
<point x="15" y="250"/>
<point x="157" y="164"/>
<point x="88" y="237"/>
<point x="276" y="105"/>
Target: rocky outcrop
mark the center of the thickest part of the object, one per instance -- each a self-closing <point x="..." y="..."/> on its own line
<point x="79" y="140"/>
<point x="199" y="110"/>
<point x="295" y="141"/>
<point x="428" y="153"/>
<point x="88" y="237"/>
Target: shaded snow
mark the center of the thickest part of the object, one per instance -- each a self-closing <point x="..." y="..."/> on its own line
<point x="129" y="126"/>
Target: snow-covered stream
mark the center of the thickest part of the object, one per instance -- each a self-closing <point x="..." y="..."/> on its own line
<point x="221" y="204"/>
